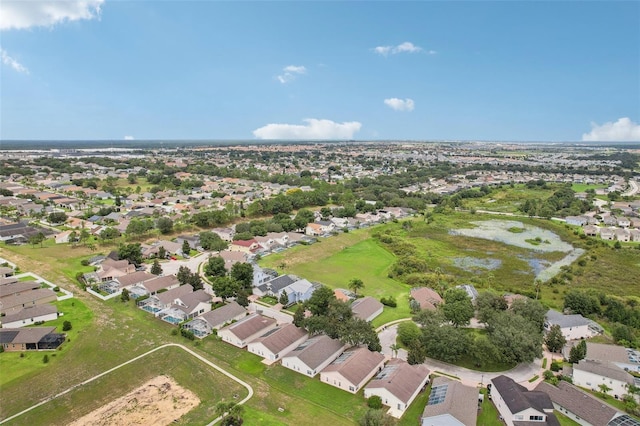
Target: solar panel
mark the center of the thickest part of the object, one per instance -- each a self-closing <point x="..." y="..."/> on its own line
<point x="342" y="358"/>
<point x="386" y="372"/>
<point x="437" y="394"/>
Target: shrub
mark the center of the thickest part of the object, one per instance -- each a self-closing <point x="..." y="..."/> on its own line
<point x="84" y="262"/>
<point x="56" y="288"/>
<point x="548" y="374"/>
<point x="389" y="301"/>
<point x="174" y="332"/>
<point x="187" y="334"/>
<point x="556" y="366"/>
<point x="45" y="358"/>
<point x="66" y="326"/>
<point x="374" y="402"/>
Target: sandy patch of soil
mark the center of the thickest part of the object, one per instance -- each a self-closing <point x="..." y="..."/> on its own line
<point x="159" y="401"/>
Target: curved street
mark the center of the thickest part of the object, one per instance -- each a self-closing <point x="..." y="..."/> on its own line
<point x="522" y="373"/>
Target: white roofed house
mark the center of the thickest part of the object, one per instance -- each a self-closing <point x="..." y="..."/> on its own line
<point x="204" y="324"/>
<point x="278" y="342"/>
<point x="161" y="301"/>
<point x="193" y="304"/>
<point x="29" y="316"/>
<point x="247" y="329"/>
<point x="313" y="355"/>
<point x="573" y="327"/>
<point x="366" y="308"/>
<point x="450" y="404"/>
<point x="298" y="291"/>
<point x="398" y="384"/>
<point x="352" y="369"/>
<point x="274" y="286"/>
<point x="591" y="374"/>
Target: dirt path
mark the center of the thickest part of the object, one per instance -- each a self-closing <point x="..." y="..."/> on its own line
<point x="158" y="402"/>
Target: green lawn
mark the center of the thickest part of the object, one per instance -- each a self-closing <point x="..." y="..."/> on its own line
<point x="366" y="260"/>
<point x="508" y="199"/>
<point x="13" y="366"/>
<point x="564" y="420"/>
<point x="208" y="384"/>
<point x="412" y="416"/>
<point x="582" y="187"/>
<point x="488" y="414"/>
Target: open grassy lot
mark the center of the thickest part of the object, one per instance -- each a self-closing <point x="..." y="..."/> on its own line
<point x="365" y="259"/>
<point x="582" y="187"/>
<point x="117" y="332"/>
<point x="13" y="366"/>
<point x="508" y="199"/>
<point x="209" y="385"/>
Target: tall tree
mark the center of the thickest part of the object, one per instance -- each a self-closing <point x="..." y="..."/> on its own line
<point x="156" y="269"/>
<point x="186" y="248"/>
<point x="164" y="225"/>
<point x="554" y="339"/>
<point x="488" y="303"/>
<point x="531" y="310"/>
<point x="319" y="301"/>
<point x="578" y="352"/>
<point x="215" y="267"/>
<point x="183" y="275"/>
<point x="457" y="308"/>
<point x="242" y="272"/>
<point x="131" y="252"/>
<point x="356" y="284"/>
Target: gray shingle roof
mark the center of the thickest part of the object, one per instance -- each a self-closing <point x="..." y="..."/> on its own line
<point x="223" y="314"/>
<point x="316" y="350"/>
<point x="564" y="321"/>
<point x="518" y="398"/>
<point x="30" y="312"/>
<point x="584" y="405"/>
<point x="605" y="369"/>
<point x="278" y="339"/>
<point x="250" y="325"/>
<point x="357" y="365"/>
<point x="460" y="401"/>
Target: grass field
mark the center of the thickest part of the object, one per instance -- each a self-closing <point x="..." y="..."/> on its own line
<point x="508" y="199"/>
<point x="488" y="414"/>
<point x="209" y="385"/>
<point x="117" y="332"/>
<point x="564" y="420"/>
<point x="365" y="259"/>
<point x="582" y="187"/>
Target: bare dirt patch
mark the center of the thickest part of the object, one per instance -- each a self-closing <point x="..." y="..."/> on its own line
<point x="159" y="401"/>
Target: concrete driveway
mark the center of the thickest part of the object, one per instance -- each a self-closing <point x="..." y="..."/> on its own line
<point x="171" y="266"/>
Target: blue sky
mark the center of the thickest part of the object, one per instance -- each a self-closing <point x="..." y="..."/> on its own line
<point x="507" y="70"/>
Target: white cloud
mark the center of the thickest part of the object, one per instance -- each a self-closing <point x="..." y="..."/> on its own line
<point x="622" y="130"/>
<point x="406" y="47"/>
<point x="400" y="104"/>
<point x="313" y="129"/>
<point x="129" y="138"/>
<point x="23" y="14"/>
<point x="290" y="73"/>
<point x="8" y="60"/>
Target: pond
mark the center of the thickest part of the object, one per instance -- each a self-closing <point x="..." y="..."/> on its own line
<point x="517" y="234"/>
<point x="502" y="231"/>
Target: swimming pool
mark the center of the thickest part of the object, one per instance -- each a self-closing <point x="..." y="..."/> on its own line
<point x="172" y="320"/>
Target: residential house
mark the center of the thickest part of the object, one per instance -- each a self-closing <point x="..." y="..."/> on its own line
<point x="622" y="234"/>
<point x="262" y="275"/>
<point x="591" y="374"/>
<point x="30" y="339"/>
<point x="313" y="355"/>
<point x="193" y="240"/>
<point x="591" y="230"/>
<point x="6" y="271"/>
<point x="13" y="286"/>
<point x="170" y="247"/>
<point x="162" y="301"/>
<point x="244" y="246"/>
<point x="134" y="279"/>
<point x="607" y="233"/>
<point x="623" y="222"/>
<point x="63" y="237"/>
<point x="626" y="358"/>
<point x="426" y="297"/>
<point x="166" y="282"/>
<point x="274" y="286"/>
<point x="634" y="235"/>
<point x="204" y="325"/>
<point x="247" y="329"/>
<point x="471" y="291"/>
<point x="366" y="308"/>
<point x="573" y="327"/>
<point x="277" y="342"/>
<point x="352" y="369"/>
<point x="344" y="295"/>
<point x="298" y="291"/>
<point x="13" y="303"/>
<point x="29" y="316"/>
<point x="450" y="404"/>
<point x="517" y="405"/>
<point x="111" y="269"/>
<point x="191" y="304"/>
<point x="398" y="384"/>
<point x="576" y="220"/>
<point x="225" y="233"/>
<point x="582" y="407"/>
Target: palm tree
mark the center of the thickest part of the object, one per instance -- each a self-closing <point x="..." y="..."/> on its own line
<point x="355" y="285"/>
<point x="394" y="349"/>
<point x="604" y="389"/>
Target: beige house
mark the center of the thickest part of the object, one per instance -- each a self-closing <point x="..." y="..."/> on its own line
<point x="351" y="370"/>
<point x="450" y="403"/>
<point x="398" y="384"/>
<point x="278" y="342"/>
<point x="247" y="329"/>
<point x="313" y="355"/>
<point x="517" y="405"/>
